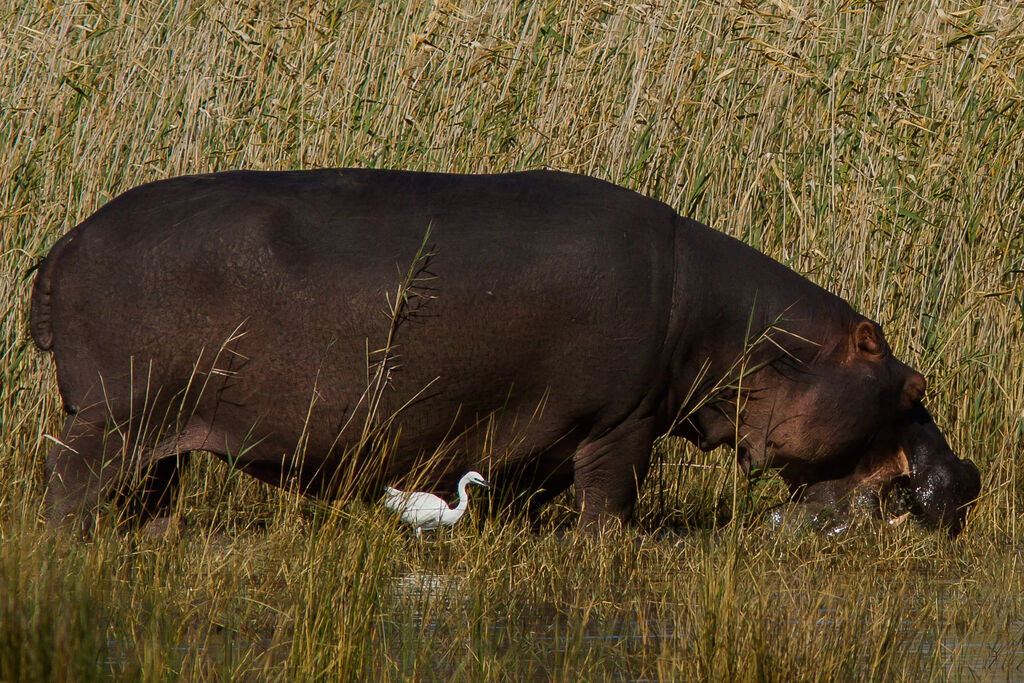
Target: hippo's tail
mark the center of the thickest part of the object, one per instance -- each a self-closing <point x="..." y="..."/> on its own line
<point x="40" y="323"/>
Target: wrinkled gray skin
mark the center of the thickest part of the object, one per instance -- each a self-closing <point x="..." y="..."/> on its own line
<point x="553" y="326"/>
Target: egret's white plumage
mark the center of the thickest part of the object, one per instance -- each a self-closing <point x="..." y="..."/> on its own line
<point x="425" y="510"/>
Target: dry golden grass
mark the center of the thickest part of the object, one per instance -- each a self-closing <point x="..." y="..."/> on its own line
<point x="875" y="148"/>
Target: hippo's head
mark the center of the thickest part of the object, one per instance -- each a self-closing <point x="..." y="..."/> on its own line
<point x="842" y="421"/>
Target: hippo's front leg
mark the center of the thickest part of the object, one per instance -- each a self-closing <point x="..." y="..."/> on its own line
<point x="608" y="471"/>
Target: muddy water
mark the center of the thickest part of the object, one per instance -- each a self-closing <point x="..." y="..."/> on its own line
<point x="995" y="655"/>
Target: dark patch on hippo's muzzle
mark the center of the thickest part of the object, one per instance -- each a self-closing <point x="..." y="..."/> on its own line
<point x="942" y="487"/>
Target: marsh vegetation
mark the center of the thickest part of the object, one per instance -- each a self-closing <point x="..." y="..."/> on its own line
<point x="875" y="148"/>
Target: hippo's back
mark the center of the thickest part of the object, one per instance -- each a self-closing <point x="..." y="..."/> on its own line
<point x="278" y="290"/>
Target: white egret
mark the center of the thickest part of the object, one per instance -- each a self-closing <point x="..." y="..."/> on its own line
<point x="427" y="511"/>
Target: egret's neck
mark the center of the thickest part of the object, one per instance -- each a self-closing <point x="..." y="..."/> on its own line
<point x="463" y="498"/>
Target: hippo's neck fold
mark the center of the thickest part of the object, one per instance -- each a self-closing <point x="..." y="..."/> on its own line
<point x="735" y="310"/>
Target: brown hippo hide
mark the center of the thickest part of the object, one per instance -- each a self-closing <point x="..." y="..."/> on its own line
<point x="342" y="329"/>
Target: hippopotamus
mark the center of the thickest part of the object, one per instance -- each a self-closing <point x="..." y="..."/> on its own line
<point x="341" y="330"/>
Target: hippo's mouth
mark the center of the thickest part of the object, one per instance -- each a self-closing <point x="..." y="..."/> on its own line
<point x="937" y="488"/>
<point x="942" y="487"/>
<point x="939" y="498"/>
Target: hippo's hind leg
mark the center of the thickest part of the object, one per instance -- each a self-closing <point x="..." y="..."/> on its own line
<point x="82" y="467"/>
<point x="93" y="463"/>
<point x="608" y="471"/>
<point x="153" y="500"/>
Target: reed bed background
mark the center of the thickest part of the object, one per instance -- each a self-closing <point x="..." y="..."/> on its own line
<point x="874" y="147"/>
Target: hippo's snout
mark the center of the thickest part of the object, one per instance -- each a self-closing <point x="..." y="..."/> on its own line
<point x="942" y="487"/>
<point x="942" y="494"/>
<point x="938" y="487"/>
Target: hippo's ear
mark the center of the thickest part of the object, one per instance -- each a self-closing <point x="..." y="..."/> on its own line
<point x="867" y="339"/>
